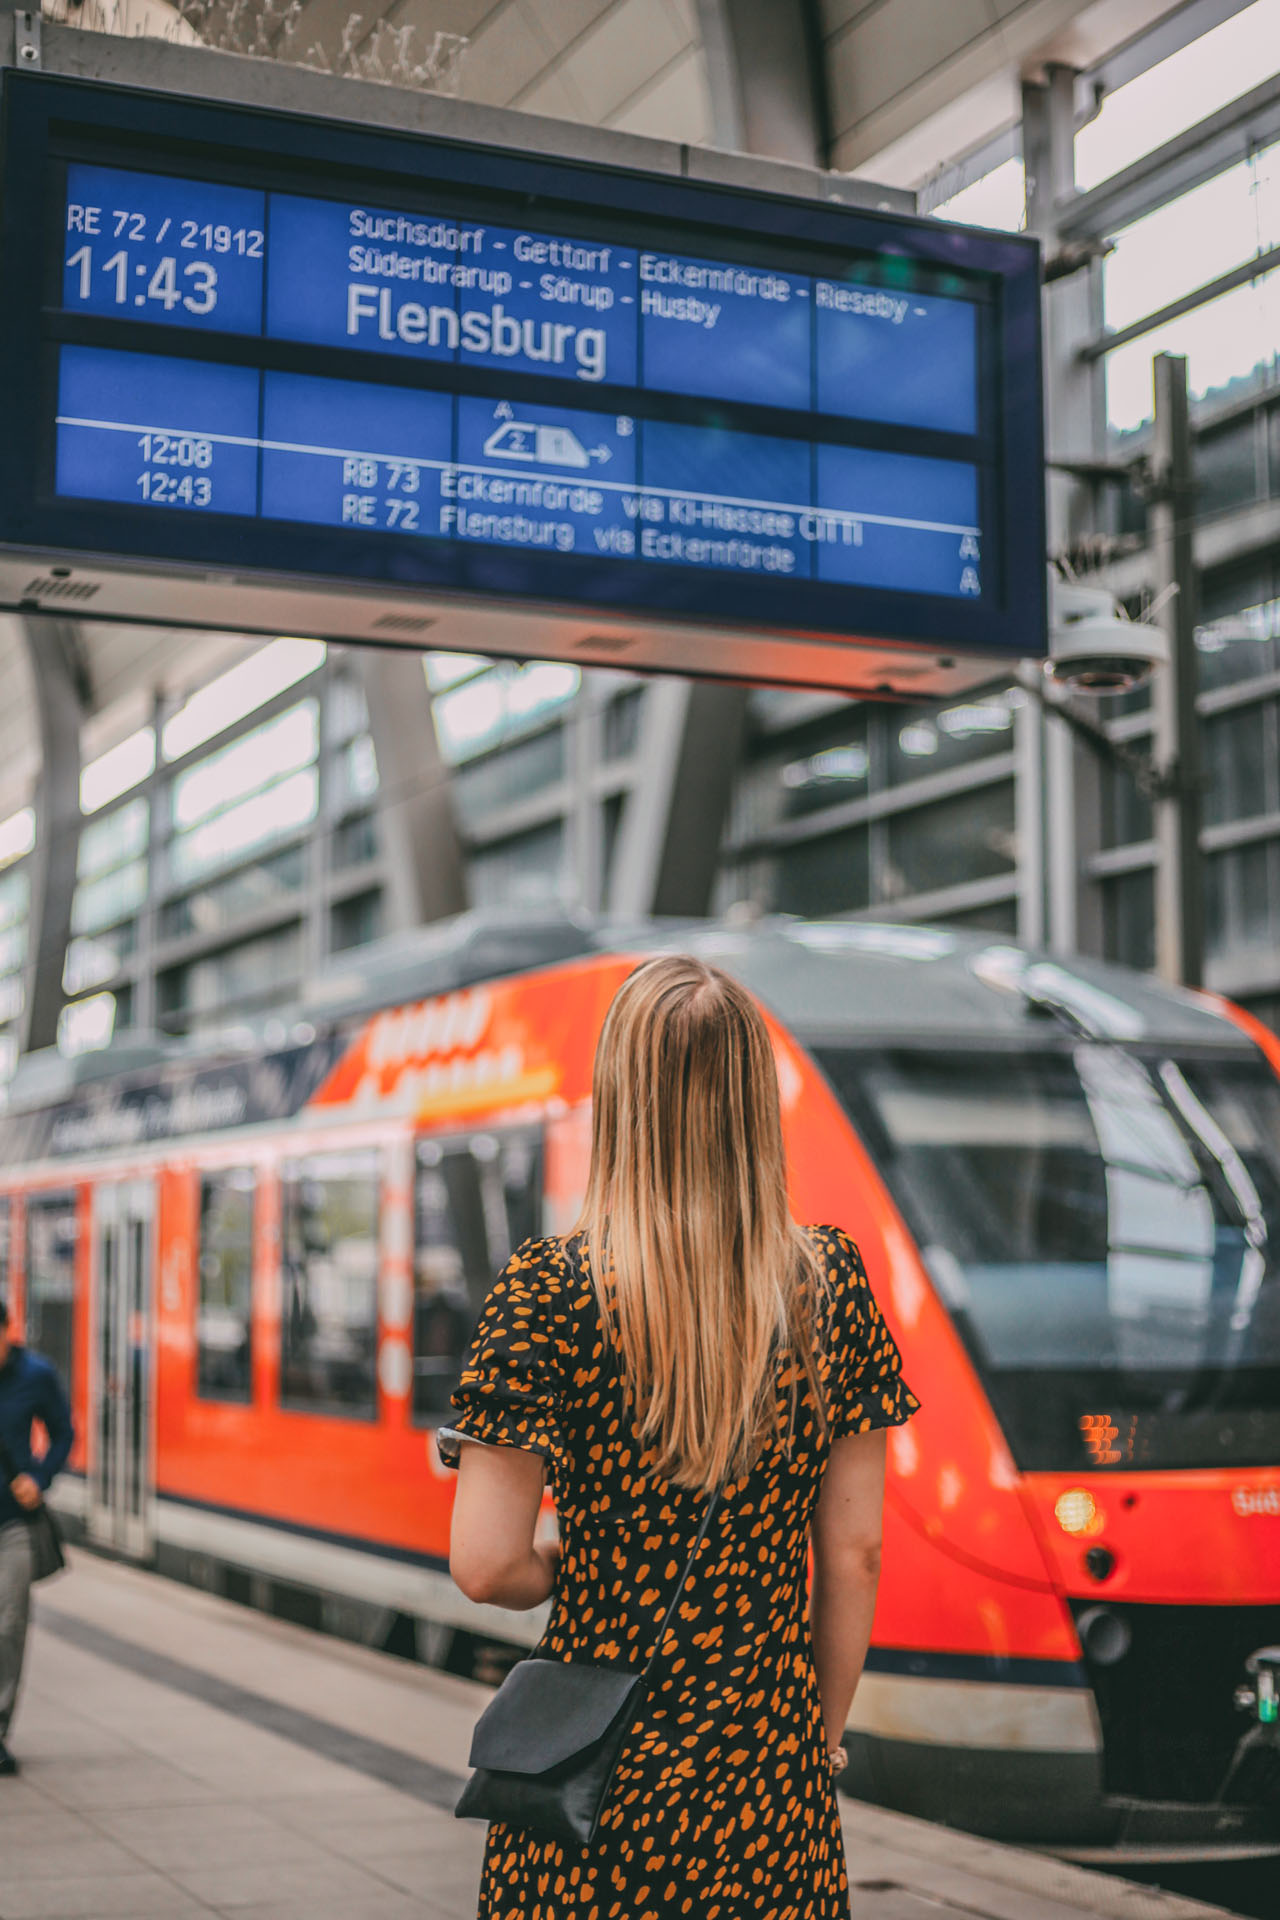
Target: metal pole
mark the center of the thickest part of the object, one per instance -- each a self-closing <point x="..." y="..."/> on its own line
<point x="1179" y="907"/>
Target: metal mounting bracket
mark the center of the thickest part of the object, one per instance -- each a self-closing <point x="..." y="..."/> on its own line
<point x="26" y="38"/>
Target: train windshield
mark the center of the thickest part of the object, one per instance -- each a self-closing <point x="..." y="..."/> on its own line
<point x="1104" y="1226"/>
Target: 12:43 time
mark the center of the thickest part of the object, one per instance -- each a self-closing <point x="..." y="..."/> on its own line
<point x="194" y="285"/>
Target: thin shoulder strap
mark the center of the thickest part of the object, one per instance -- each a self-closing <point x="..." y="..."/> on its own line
<point x="712" y="1504"/>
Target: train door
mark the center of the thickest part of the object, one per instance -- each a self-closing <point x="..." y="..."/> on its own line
<point x="119" y="1514"/>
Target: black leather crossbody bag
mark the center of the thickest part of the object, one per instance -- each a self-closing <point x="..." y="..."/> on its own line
<point x="546" y="1747"/>
<point x="46" y="1542"/>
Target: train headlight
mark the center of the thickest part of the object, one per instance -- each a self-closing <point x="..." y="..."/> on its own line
<point x="1077" y="1512"/>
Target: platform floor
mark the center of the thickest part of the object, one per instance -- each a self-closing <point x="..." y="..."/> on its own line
<point x="185" y="1757"/>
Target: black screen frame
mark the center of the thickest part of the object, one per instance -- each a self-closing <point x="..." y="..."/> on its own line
<point x="48" y="120"/>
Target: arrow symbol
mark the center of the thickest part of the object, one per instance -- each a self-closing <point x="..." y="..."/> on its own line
<point x="601" y="453"/>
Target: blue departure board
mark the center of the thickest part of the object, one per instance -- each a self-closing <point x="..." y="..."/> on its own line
<point x="638" y="396"/>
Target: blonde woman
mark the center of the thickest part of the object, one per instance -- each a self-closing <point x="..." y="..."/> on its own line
<point x="687" y="1337"/>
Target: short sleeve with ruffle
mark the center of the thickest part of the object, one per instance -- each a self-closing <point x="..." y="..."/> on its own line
<point x="866" y="1389"/>
<point x="512" y="1390"/>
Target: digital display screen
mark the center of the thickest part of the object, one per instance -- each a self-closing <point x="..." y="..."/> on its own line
<point x="631" y="402"/>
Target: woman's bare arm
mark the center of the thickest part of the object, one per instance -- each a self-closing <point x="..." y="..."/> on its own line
<point x="492" y="1555"/>
<point x="846" y="1537"/>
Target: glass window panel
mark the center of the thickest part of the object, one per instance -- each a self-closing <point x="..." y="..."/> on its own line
<point x="482" y="711"/>
<point x="282" y="809"/>
<point x="1191" y="240"/>
<point x="354" y="841"/>
<point x="224" y="1306"/>
<point x="1126" y="813"/>
<point x="289" y="741"/>
<point x="528" y="868"/>
<point x="528" y="766"/>
<point x="357" y="772"/>
<point x="1231" y="347"/>
<point x="266" y="673"/>
<point x="114" y="839"/>
<point x="329" y="1272"/>
<point x="1241" y="900"/>
<point x="346" y="710"/>
<point x="86" y="1026"/>
<point x="353" y="923"/>
<point x="99" y="904"/>
<point x="211" y="909"/>
<point x="475" y="1201"/>
<point x="998" y="200"/>
<point x="256" y="974"/>
<point x="1226" y="467"/>
<point x="115" y="772"/>
<point x="93" y="958"/>
<point x="622" y="723"/>
<point x="1179" y="92"/>
<point x="17" y="835"/>
<point x="821" y="877"/>
<point x="13" y="948"/>
<point x="52" y="1239"/>
<point x="12" y="996"/>
<point x="15" y="894"/>
<point x="924" y="740"/>
<point x="1235" y="642"/>
<point x="1236" y="764"/>
<point x="1129" y="918"/>
<point x="968" y="837"/>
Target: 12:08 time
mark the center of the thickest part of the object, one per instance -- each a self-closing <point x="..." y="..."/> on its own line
<point x="196" y="290"/>
<point x="176" y="489"/>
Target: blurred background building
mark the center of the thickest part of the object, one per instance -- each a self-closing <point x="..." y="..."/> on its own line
<point x="247" y="809"/>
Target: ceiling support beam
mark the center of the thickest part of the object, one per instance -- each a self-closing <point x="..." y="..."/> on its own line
<point x="765" y="67"/>
<point x="768" y="97"/>
<point x="672" y="825"/>
<point x="426" y="874"/>
<point x="59" y="677"/>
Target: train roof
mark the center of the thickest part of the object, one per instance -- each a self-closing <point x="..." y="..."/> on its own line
<point x="836" y="982"/>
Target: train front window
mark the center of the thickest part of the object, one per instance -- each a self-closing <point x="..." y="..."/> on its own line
<point x="1104" y="1226"/>
<point x="477" y="1197"/>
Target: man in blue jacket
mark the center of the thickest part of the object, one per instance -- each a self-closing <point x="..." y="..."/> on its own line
<point x="29" y="1390"/>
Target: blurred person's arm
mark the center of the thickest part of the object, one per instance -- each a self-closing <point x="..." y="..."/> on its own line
<point x="55" y="1412"/>
<point x="492" y="1552"/>
<point x="846" y="1535"/>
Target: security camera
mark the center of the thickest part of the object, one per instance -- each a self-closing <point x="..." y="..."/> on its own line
<point x="1092" y="646"/>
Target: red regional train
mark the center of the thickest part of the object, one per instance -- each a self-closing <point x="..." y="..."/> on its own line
<point x="259" y="1265"/>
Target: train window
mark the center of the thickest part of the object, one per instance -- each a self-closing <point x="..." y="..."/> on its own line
<point x="52" y="1232"/>
<point x="224" y="1265"/>
<point x="476" y="1199"/>
<point x="329" y="1270"/>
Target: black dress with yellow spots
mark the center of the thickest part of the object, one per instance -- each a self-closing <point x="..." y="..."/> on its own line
<point x="723" y="1804"/>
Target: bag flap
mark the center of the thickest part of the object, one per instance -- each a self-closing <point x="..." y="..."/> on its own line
<point x="547" y="1710"/>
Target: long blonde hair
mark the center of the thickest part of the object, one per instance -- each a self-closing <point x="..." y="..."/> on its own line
<point x="703" y="1278"/>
